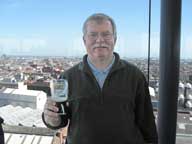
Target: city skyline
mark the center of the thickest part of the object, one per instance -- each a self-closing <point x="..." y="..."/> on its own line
<point x="54" y="28"/>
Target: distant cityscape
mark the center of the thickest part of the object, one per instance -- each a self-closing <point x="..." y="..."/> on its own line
<point x="25" y="83"/>
<point x="36" y="72"/>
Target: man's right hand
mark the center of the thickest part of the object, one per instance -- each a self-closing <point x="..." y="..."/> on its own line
<point x="51" y="116"/>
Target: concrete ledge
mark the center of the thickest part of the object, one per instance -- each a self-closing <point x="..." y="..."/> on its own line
<point x="28" y="130"/>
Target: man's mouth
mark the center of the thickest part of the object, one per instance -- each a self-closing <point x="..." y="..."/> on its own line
<point x="100" y="47"/>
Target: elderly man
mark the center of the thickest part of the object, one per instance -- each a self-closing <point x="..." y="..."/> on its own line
<point x="109" y="97"/>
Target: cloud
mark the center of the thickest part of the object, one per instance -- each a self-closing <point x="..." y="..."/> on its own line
<point x="21" y="46"/>
<point x="186" y="47"/>
<point x="78" y="48"/>
<point x="10" y="3"/>
<point x="136" y="45"/>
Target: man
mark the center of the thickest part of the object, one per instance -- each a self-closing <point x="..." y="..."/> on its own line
<point x="109" y="98"/>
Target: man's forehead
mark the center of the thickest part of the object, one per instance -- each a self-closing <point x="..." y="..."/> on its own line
<point x="98" y="21"/>
<point x="105" y="24"/>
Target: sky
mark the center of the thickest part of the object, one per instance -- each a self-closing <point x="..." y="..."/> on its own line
<point x="54" y="27"/>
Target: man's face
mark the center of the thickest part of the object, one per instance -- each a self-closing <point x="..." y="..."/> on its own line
<point x="99" y="40"/>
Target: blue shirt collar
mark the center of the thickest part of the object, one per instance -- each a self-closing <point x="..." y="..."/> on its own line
<point x="95" y="70"/>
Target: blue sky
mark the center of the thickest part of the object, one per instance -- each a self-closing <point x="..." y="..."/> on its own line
<point x="54" y="27"/>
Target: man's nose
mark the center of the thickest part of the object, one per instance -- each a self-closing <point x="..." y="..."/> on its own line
<point x="99" y="38"/>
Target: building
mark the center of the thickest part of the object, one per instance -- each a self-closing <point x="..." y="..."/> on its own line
<point x="23" y="97"/>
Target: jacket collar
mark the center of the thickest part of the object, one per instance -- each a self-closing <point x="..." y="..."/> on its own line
<point x="118" y="64"/>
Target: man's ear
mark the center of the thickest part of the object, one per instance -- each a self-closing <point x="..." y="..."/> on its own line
<point x="115" y="39"/>
<point x="84" y="39"/>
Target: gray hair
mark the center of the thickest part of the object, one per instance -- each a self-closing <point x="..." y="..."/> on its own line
<point x="100" y="17"/>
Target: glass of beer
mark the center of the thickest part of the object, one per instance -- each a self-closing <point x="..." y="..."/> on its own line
<point x="60" y="94"/>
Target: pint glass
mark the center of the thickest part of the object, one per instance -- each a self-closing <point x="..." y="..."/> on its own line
<point x="60" y="94"/>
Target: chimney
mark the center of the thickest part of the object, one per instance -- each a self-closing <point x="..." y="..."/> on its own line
<point x="22" y="86"/>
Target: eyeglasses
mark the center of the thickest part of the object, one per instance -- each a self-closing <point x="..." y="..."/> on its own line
<point x="104" y="35"/>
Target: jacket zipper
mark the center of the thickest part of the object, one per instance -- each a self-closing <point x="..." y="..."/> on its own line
<point x="100" y="93"/>
<point x="104" y="85"/>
